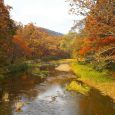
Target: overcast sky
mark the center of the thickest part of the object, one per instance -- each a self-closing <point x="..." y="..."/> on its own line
<point x="51" y="14"/>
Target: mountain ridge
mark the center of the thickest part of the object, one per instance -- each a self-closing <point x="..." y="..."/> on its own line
<point x="51" y="32"/>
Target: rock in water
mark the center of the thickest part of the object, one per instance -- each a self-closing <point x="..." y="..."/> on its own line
<point x="63" y="67"/>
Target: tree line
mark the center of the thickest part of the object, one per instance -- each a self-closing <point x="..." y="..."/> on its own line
<point x="24" y="42"/>
<point x="95" y="41"/>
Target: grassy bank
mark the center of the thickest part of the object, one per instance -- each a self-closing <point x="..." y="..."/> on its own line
<point x="99" y="80"/>
<point x="14" y="68"/>
<point x="32" y="68"/>
<point x="85" y="72"/>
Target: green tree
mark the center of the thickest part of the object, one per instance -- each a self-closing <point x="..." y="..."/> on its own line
<point x="67" y="42"/>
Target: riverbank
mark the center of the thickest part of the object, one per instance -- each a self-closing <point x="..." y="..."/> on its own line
<point x="30" y="67"/>
<point x="99" y="80"/>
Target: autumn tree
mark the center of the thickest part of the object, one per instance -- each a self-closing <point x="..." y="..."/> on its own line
<point x="7" y="29"/>
<point x="100" y="18"/>
<point x="99" y="26"/>
<point x="41" y="43"/>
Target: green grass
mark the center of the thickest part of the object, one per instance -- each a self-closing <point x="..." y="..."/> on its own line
<point x="13" y="68"/>
<point x="85" y="72"/>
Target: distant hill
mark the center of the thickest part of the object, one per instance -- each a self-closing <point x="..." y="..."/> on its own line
<point x="51" y="32"/>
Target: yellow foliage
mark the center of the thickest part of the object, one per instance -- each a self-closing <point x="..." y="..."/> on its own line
<point x="74" y="86"/>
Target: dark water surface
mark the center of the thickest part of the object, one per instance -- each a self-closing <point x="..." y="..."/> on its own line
<point x="49" y="97"/>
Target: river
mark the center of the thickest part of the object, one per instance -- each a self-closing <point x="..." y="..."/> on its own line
<point x="49" y="96"/>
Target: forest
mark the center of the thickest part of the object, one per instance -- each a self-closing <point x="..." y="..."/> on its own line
<point x="88" y="50"/>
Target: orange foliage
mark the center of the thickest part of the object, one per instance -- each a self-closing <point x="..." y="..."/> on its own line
<point x="84" y="50"/>
<point x="22" y="44"/>
<point x="107" y="40"/>
<point x="90" y="44"/>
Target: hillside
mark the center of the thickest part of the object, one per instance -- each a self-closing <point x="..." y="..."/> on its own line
<point x="51" y="32"/>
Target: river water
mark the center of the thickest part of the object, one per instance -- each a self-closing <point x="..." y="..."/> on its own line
<point x="49" y="97"/>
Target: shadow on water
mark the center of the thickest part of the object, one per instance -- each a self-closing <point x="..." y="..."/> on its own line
<point x="49" y="97"/>
<point x="96" y="104"/>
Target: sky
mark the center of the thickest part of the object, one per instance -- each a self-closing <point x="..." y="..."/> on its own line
<point x="50" y="14"/>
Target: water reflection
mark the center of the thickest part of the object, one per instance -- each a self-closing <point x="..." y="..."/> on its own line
<point x="17" y="88"/>
<point x="53" y="93"/>
<point x="34" y="96"/>
<point x="96" y="104"/>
